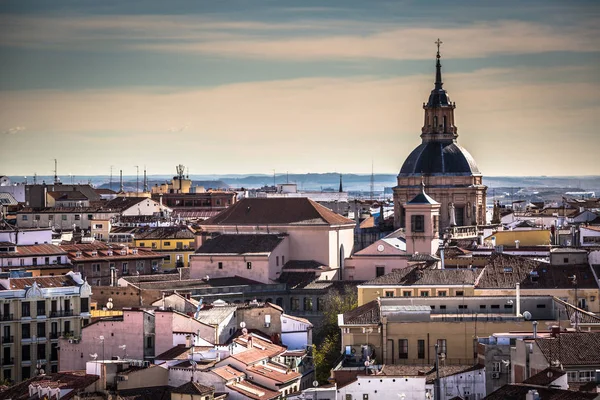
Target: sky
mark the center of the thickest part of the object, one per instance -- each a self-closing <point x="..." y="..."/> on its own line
<point x="252" y="86"/>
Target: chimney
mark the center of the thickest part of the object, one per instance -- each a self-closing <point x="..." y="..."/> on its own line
<point x="535" y="324"/>
<point x="517" y="243"/>
<point x="518" y="299"/>
<point x="442" y="257"/>
<point x="249" y="341"/>
<point x="555" y="331"/>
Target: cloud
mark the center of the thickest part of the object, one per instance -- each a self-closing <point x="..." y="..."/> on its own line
<point x="512" y="120"/>
<point x="14" y="130"/>
<point x="296" y="40"/>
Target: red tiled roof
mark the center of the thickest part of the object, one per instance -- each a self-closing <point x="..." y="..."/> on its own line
<point x="253" y="391"/>
<point x="284" y="211"/>
<point x="73" y="380"/>
<point x="174" y="353"/>
<point x="228" y="373"/>
<point x="102" y="250"/>
<point x="572" y="348"/>
<point x="274" y="373"/>
<point x="42" y="281"/>
<point x="35" y="250"/>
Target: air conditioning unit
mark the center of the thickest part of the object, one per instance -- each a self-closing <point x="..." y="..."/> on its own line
<point x="495" y="375"/>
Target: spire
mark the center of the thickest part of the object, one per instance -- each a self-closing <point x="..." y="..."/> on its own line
<point x="341" y="188"/>
<point x="438" y="66"/>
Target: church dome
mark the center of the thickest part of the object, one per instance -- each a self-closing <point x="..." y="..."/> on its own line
<point x="439" y="158"/>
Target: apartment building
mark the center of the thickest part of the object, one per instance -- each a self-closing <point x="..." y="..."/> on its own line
<point x="35" y="313"/>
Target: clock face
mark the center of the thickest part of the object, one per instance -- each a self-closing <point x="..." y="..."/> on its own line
<point x="380" y="247"/>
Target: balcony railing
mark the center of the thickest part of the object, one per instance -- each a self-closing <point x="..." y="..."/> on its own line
<point x="57" y="314"/>
<point x="8" y="339"/>
<point x="7" y="317"/>
<point x="8" y="361"/>
<point x="463" y="232"/>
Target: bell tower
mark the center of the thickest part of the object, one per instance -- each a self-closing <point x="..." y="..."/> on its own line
<point x="439" y="110"/>
<point x="423" y="224"/>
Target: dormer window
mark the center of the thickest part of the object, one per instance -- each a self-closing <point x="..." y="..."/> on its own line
<point x="123" y="252"/>
<point x="109" y="253"/>
<point x="78" y="254"/>
<point x="134" y="251"/>
<point x="94" y="253"/>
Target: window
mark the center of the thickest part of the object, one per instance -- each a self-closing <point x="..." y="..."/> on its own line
<point x="41" y="308"/>
<point x="389" y="293"/>
<point x="572" y="376"/>
<point x="508" y="306"/>
<point x="320" y="304"/>
<point x="462" y="306"/>
<point x="403" y="348"/>
<point x="41" y="351"/>
<point x="249" y="265"/>
<point x="442" y="293"/>
<point x="90" y="217"/>
<point x="277" y="261"/>
<point x="149" y="342"/>
<point x="142" y="244"/>
<point x="167" y="258"/>
<point x="47" y="260"/>
<point x="85" y="304"/>
<point x="50" y="217"/>
<point x="25" y="309"/>
<point x="167" y="243"/>
<point x="460" y="293"/>
<point x="282" y="260"/>
<point x="36" y="217"/>
<point x="441" y="346"/>
<point x="77" y="217"/>
<point x="566" y="260"/>
<point x="348" y="397"/>
<point x="34" y="260"/>
<point x="482" y="306"/>
<point x="494" y="306"/>
<point x="365" y="396"/>
<point x="64" y="217"/>
<point x="407" y="293"/>
<point x="24" y="218"/>
<point x="26" y="331"/>
<point x="295" y="303"/>
<point x="124" y="268"/>
<point x="421" y="349"/>
<point x="417" y="223"/>
<point x="25" y="372"/>
<point x="96" y="267"/>
<point x="436" y="223"/>
<point x="424" y="293"/>
<point x="496" y="366"/>
<point x="220" y="265"/>
<point x="587" y="376"/>
<point x="308" y="304"/>
<point x="379" y="271"/>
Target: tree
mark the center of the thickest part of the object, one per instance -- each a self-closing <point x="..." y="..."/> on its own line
<point x="327" y="348"/>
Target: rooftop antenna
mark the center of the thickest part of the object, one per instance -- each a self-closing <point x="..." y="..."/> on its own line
<point x="372" y="181"/>
<point x="145" y="181"/>
<point x="137" y="180"/>
<point x="187" y="175"/>
<point x="35" y="178"/>
<point x="121" y="180"/>
<point x="180" y="173"/>
<point x="110" y="182"/>
<point x="55" y="171"/>
<point x="274" y="185"/>
<point x="341" y="187"/>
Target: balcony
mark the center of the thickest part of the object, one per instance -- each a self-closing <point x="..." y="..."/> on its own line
<point x="8" y="339"/>
<point x="7" y="317"/>
<point x="463" y="232"/>
<point x="54" y="335"/>
<point x="58" y="314"/>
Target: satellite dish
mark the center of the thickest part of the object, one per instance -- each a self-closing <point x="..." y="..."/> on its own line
<point x="315" y="383"/>
<point x="527" y="315"/>
<point x="367" y="363"/>
<point x="101" y="337"/>
<point x="94" y="356"/>
<point x="242" y="324"/>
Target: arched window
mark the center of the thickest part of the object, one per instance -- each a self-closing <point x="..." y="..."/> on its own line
<point x="444" y="123"/>
<point x="435" y="121"/>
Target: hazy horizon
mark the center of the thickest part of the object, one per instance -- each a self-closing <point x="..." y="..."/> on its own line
<point x="223" y="87"/>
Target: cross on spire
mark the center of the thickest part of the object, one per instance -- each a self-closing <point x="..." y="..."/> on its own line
<point x="438" y="42"/>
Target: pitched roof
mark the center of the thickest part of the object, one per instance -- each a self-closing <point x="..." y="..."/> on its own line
<point x="193" y="388"/>
<point x="545" y="377"/>
<point x="241" y="244"/>
<point x="571" y="348"/>
<point x="67" y="195"/>
<point x="253" y="391"/>
<point x="426" y="276"/>
<point x="274" y="373"/>
<point x="366" y="314"/>
<point x="73" y="380"/>
<point x="505" y="271"/>
<point x="146" y="393"/>
<point x="519" y="392"/>
<point x="277" y="211"/>
<point x="174" y="353"/>
<point x="35" y="250"/>
<point x="297" y="279"/>
<point x="123" y="203"/>
<point x="303" y="264"/>
<point x="228" y="373"/>
<point x="42" y="281"/>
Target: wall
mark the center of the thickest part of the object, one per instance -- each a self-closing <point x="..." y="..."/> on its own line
<point x="168" y="322"/>
<point x="566" y="294"/>
<point x="201" y="266"/>
<point x="384" y="387"/>
<point x="470" y="384"/>
<point x="73" y="356"/>
<point x="152" y="376"/>
<point x="26" y="237"/>
<point x="367" y="293"/>
<point x="145" y="207"/>
<point x="526" y="238"/>
<point x="254" y="317"/>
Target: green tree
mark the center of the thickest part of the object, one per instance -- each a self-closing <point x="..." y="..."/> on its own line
<point x="327" y="349"/>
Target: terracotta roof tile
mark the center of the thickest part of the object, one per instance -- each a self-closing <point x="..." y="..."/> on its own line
<point x="284" y="211"/>
<point x="241" y="244"/>
<point x="572" y="348"/>
<point x="366" y="314"/>
<point x="545" y="377"/>
<point x="520" y="391"/>
<point x="228" y="373"/>
<point x="193" y="388"/>
<point x="253" y="391"/>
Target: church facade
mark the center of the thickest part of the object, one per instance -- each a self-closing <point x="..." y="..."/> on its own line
<point x="448" y="170"/>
